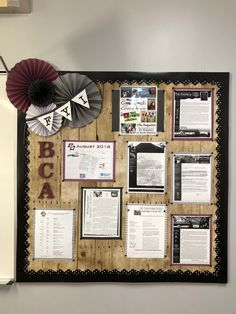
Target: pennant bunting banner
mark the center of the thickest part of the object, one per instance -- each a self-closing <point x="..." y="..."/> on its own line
<point x="47" y="120"/>
<point x="81" y="99"/>
<point x="65" y="111"/>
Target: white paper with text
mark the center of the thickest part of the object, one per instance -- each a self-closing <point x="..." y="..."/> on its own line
<point x="53" y="233"/>
<point x="101" y="213"/>
<point x="146" y="231"/>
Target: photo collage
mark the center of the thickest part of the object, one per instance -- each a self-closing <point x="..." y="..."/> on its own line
<point x="138" y="110"/>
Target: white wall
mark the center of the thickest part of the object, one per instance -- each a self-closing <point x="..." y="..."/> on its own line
<point x="8" y="125"/>
<point x="136" y="35"/>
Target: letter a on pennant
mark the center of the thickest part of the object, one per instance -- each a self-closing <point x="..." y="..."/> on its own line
<point x="47" y="120"/>
<point x="65" y="111"/>
<point x="81" y="99"/>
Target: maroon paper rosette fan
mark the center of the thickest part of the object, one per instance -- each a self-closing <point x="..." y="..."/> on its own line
<point x="22" y="75"/>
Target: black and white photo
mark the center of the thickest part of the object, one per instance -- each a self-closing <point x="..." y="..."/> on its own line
<point x="146" y="167"/>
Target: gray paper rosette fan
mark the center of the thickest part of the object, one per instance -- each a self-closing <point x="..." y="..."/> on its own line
<point x="68" y="89"/>
<point x="33" y="115"/>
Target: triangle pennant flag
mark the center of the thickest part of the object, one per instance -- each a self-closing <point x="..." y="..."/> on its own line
<point x="82" y="99"/>
<point x="65" y="111"/>
<point x="47" y="120"/>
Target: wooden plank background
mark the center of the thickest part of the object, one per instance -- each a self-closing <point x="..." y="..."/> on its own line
<point x="110" y="254"/>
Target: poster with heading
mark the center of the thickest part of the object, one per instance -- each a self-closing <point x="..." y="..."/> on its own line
<point x="192" y="113"/>
<point x="89" y="161"/>
<point x="138" y="110"/>
<point x="191" y="239"/>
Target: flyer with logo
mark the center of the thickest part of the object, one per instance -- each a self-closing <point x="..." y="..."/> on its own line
<point x="89" y="160"/>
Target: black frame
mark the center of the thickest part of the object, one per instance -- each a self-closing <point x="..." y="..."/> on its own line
<point x="81" y="213"/>
<point x="221" y="79"/>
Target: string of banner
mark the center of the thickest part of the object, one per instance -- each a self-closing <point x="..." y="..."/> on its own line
<point x="65" y="110"/>
<point x="34" y="87"/>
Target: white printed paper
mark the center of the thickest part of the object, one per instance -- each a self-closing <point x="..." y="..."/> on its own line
<point x="192" y="113"/>
<point x="196" y="183"/>
<point x="150" y="169"/>
<point x="101" y="213"/>
<point x="53" y="233"/>
<point x="192" y="178"/>
<point x="89" y="160"/>
<point x="146" y="231"/>
<point x="195" y="114"/>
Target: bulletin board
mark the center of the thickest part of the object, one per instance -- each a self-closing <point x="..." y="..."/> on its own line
<point x="105" y="259"/>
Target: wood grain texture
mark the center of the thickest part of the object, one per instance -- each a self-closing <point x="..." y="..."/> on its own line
<point x="110" y="254"/>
